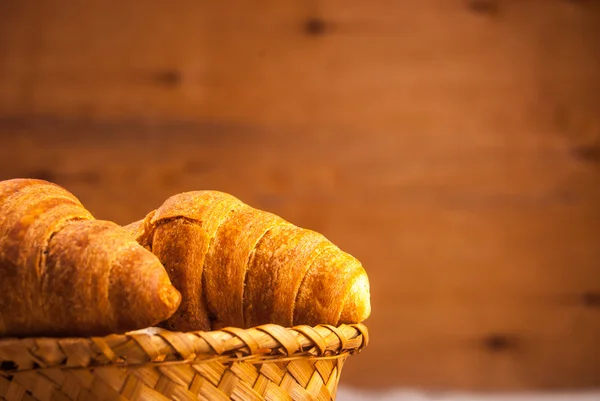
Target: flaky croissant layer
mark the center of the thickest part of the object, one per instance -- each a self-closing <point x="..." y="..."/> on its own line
<point x="64" y="273"/>
<point x="239" y="266"/>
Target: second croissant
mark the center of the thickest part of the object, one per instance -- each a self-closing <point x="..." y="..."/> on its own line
<point x="239" y="266"/>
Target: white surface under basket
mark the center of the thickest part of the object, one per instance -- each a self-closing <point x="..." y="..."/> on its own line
<point x="350" y="394"/>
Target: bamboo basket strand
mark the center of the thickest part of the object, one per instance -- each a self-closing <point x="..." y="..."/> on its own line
<point x="267" y="362"/>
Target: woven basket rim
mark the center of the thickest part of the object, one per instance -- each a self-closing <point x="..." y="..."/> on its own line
<point x="160" y="346"/>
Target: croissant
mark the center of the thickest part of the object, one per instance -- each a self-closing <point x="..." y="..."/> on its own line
<point x="63" y="273"/>
<point x="239" y="266"/>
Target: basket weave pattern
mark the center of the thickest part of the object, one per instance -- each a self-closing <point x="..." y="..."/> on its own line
<point x="268" y="362"/>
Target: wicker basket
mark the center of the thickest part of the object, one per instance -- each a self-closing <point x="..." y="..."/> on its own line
<point x="267" y="362"/>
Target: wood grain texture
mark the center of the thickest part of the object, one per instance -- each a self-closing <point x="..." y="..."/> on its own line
<point x="451" y="146"/>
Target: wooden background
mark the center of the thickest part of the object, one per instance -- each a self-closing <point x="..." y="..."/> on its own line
<point x="453" y="146"/>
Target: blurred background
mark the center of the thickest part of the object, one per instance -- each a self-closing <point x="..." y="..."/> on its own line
<point x="453" y="146"/>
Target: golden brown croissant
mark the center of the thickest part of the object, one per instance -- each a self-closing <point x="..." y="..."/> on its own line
<point x="63" y="273"/>
<point x="240" y="266"/>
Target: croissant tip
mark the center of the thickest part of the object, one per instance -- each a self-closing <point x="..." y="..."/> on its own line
<point x="357" y="307"/>
<point x="169" y="297"/>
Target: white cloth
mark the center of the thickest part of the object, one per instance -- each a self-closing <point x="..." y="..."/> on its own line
<point x="351" y="394"/>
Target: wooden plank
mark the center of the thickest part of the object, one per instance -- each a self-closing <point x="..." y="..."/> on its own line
<point x="452" y="147"/>
<point x="473" y="287"/>
<point x="379" y="68"/>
